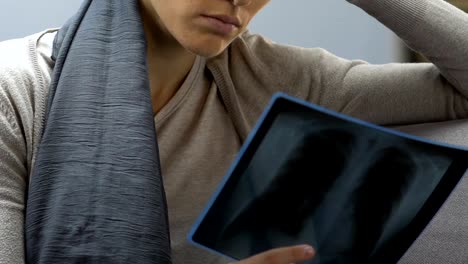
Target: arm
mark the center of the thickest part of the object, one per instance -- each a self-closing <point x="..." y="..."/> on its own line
<point x="412" y="93"/>
<point x="12" y="187"/>
<point x="19" y="96"/>
<point x="434" y="28"/>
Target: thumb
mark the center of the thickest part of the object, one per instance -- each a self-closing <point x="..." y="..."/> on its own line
<point x="283" y="255"/>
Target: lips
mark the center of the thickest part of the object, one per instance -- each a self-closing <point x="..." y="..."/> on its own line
<point x="222" y="25"/>
<point x="226" y="19"/>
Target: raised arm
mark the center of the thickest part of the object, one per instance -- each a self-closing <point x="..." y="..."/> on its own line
<point x="434" y="28"/>
<point x="414" y="93"/>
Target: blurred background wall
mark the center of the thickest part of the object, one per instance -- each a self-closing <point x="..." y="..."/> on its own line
<point x="20" y="18"/>
<point x="335" y="25"/>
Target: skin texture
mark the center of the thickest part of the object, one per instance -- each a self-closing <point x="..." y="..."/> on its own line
<point x="183" y="24"/>
<point x="177" y="31"/>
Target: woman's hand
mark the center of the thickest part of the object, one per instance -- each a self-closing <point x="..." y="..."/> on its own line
<point x="284" y="255"/>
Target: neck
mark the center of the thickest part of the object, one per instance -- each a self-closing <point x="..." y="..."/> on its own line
<point x="168" y="62"/>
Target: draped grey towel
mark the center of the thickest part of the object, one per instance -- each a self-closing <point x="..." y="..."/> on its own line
<point x="96" y="193"/>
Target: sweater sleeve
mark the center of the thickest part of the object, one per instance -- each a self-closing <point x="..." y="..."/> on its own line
<point x="434" y="28"/>
<point x="389" y="94"/>
<point x="406" y="93"/>
<point x="17" y="80"/>
<point x="13" y="171"/>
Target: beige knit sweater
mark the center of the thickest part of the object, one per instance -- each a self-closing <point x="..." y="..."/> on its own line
<point x="205" y="124"/>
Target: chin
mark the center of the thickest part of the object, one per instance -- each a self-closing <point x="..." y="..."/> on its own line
<point x="207" y="51"/>
<point x="206" y="47"/>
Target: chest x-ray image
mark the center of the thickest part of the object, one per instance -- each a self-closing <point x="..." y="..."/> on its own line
<point x="341" y="187"/>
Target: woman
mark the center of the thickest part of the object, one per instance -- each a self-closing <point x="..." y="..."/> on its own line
<point x="210" y="80"/>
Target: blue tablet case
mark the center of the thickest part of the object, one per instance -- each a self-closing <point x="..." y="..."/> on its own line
<point x="357" y="192"/>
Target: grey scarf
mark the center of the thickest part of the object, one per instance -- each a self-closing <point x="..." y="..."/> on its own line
<point x="96" y="193"/>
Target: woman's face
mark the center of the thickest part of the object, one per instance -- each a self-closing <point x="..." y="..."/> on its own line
<point x="204" y="27"/>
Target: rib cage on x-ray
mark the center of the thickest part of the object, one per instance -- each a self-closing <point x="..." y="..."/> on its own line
<point x="337" y="185"/>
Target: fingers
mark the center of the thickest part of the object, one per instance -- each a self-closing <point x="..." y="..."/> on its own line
<point x="284" y="255"/>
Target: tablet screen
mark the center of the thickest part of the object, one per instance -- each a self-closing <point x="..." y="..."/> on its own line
<point x="357" y="192"/>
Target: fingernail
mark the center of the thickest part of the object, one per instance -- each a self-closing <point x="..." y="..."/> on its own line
<point x="309" y="251"/>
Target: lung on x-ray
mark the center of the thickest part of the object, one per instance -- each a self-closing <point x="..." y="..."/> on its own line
<point x="349" y="188"/>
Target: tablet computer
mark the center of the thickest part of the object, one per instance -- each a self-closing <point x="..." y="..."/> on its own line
<point x="357" y="192"/>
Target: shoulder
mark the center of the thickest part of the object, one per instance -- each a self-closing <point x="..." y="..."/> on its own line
<point x="286" y="68"/>
<point x="289" y="62"/>
<point x="16" y="67"/>
<point x="25" y="70"/>
<point x="264" y="49"/>
<point x="253" y="68"/>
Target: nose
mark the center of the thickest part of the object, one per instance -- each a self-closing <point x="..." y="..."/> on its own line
<point x="241" y="2"/>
